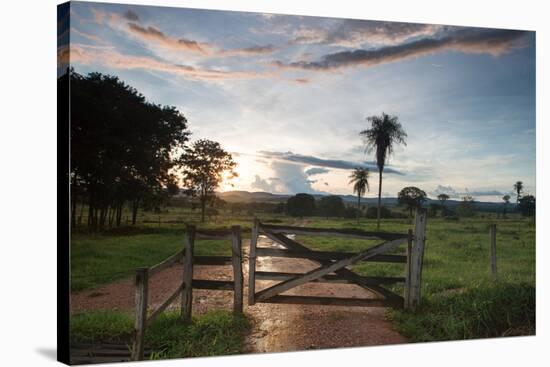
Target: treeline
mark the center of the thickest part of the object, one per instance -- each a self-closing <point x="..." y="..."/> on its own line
<point x="122" y="147"/>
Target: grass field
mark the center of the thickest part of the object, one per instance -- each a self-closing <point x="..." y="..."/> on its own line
<point x="459" y="298"/>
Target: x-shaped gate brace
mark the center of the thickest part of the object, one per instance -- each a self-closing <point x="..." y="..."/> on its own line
<point x="328" y="265"/>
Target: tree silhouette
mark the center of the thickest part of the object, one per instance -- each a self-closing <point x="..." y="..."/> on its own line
<point x="518" y="187"/>
<point x="331" y="206"/>
<point x="360" y="180"/>
<point x="527" y="206"/>
<point x="442" y="199"/>
<point x="122" y="146"/>
<point x="300" y="205"/>
<point x="385" y="132"/>
<point x="412" y="198"/>
<point x="204" y="164"/>
<point x="506" y="199"/>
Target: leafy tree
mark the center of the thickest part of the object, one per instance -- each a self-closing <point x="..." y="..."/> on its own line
<point x="466" y="208"/>
<point x="360" y="180"/>
<point x="518" y="188"/>
<point x="300" y="205"/>
<point x="204" y="165"/>
<point x="412" y="198"/>
<point x="382" y="136"/>
<point x="433" y="209"/>
<point x="351" y="212"/>
<point x="279" y="208"/>
<point x="331" y="206"/>
<point x="122" y="146"/>
<point x="527" y="206"/>
<point x="372" y="213"/>
<point x="506" y="199"/>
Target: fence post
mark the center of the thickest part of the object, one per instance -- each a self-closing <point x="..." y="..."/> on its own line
<point x="417" y="257"/>
<point x="187" y="292"/>
<point x="236" y="244"/>
<point x="252" y="263"/>
<point x="493" y="236"/>
<point x="407" y="290"/>
<point x="142" y="290"/>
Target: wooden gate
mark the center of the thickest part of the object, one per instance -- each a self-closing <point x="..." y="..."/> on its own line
<point x="333" y="265"/>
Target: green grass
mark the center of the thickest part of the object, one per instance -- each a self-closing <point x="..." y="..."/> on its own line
<point x="459" y="299"/>
<point x="456" y="262"/>
<point x="214" y="333"/>
<point x="481" y="311"/>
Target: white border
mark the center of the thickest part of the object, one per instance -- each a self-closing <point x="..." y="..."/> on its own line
<point x="28" y="181"/>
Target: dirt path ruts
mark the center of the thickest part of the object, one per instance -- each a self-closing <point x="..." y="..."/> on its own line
<point x="275" y="327"/>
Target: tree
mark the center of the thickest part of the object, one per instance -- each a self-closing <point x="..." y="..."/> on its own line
<point x="466" y="208"/>
<point x="122" y="146"/>
<point x="204" y="165"/>
<point x="506" y="199"/>
<point x="442" y="200"/>
<point x="385" y="132"/>
<point x="331" y="206"/>
<point x="518" y="188"/>
<point x="412" y="198"/>
<point x="527" y="206"/>
<point x="360" y="180"/>
<point x="300" y="205"/>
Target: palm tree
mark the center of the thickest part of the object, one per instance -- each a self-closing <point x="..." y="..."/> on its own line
<point x="506" y="199"/>
<point x="385" y="132"/>
<point x="360" y="180"/>
<point x="518" y="186"/>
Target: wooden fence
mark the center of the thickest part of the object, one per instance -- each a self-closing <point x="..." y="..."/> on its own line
<point x="143" y="317"/>
<point x="336" y="262"/>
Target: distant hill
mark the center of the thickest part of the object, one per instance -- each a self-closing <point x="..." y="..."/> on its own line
<point x="260" y="196"/>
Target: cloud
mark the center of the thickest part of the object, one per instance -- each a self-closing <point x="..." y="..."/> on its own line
<point x="263" y="185"/>
<point x="453" y="193"/>
<point x="321" y="162"/>
<point x="85" y="54"/>
<point x="153" y="34"/>
<point x="247" y="51"/>
<point x="479" y="41"/>
<point x="131" y="15"/>
<point x="354" y="33"/>
<point x="316" y="171"/>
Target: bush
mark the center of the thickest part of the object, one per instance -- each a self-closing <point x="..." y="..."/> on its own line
<point x="351" y="212"/>
<point x="300" y="205"/>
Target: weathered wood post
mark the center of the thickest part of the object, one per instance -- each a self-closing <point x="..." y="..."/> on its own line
<point x="187" y="292"/>
<point x="417" y="257"/>
<point x="252" y="262"/>
<point x="141" y="295"/>
<point x="407" y="290"/>
<point x="236" y="247"/>
<point x="493" y="237"/>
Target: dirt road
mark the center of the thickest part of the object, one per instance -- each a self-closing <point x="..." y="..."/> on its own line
<point x="276" y="327"/>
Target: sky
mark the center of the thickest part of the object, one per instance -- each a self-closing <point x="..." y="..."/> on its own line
<point x="288" y="95"/>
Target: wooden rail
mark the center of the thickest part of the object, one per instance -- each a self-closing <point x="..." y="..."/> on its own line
<point x="336" y="262"/>
<point x="144" y="317"/>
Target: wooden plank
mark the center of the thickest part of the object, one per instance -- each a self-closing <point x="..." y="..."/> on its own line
<point x="213" y="234"/>
<point x="187" y="293"/>
<point x="212" y="260"/>
<point x="493" y="237"/>
<point x="141" y="296"/>
<point x="334" y="301"/>
<point x="166" y="303"/>
<point x="296" y="246"/>
<point x="326" y="255"/>
<point x="352" y="233"/>
<point x="417" y="258"/>
<point x="406" y="291"/>
<point x="329" y="278"/>
<point x="165" y="264"/>
<point x="236" y="254"/>
<point x="325" y="269"/>
<point x="252" y="262"/>
<point x="221" y="285"/>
